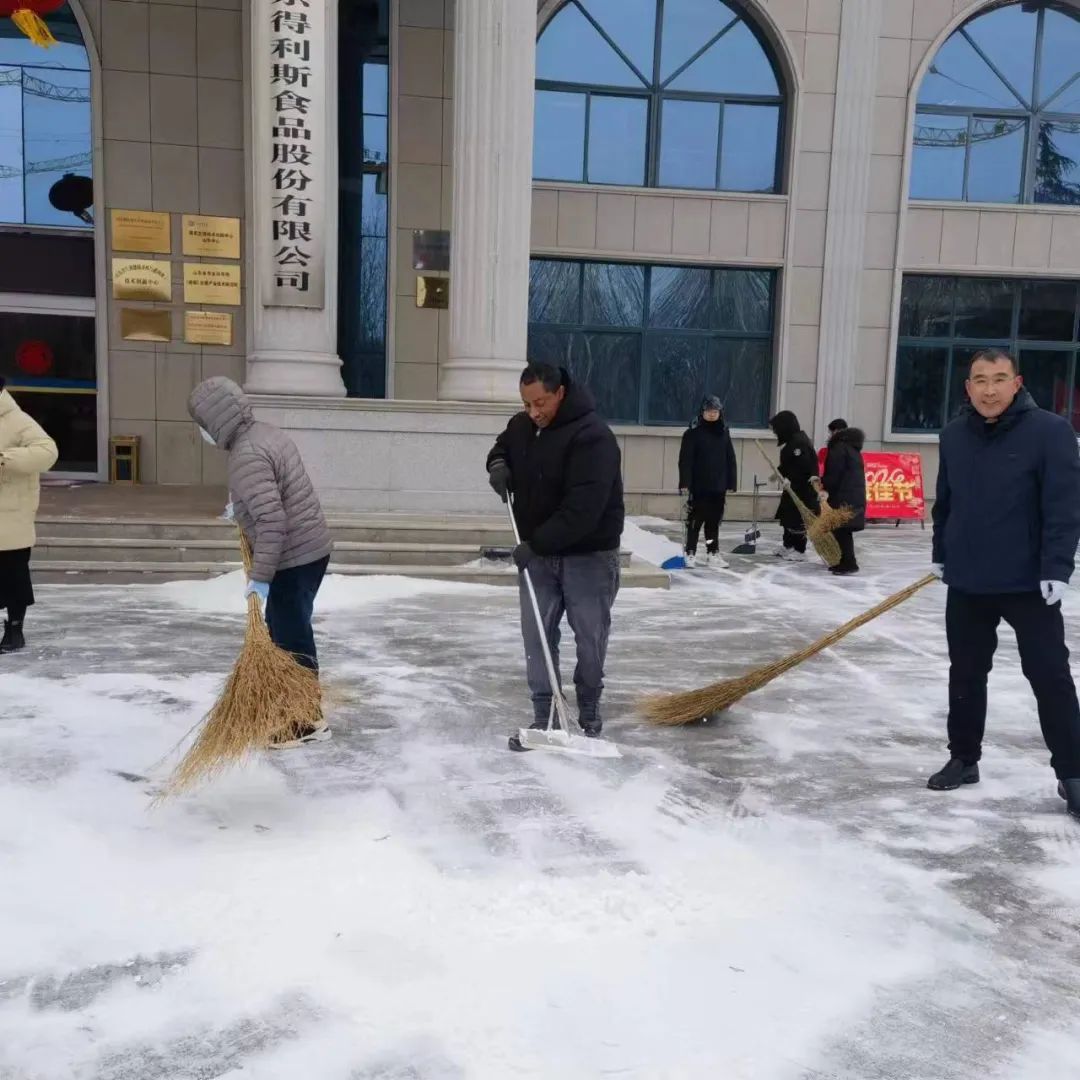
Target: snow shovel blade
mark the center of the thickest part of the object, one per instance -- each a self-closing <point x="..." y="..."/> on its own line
<point x="564" y="743"/>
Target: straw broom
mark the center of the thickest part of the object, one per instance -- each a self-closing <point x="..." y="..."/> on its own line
<point x="819" y="527"/>
<point x="672" y="710"/>
<point x="267" y="694"/>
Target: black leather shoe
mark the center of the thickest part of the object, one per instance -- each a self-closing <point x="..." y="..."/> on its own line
<point x="957" y="773"/>
<point x="1069" y="790"/>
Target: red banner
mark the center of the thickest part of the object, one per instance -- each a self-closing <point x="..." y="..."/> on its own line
<point x="894" y="486"/>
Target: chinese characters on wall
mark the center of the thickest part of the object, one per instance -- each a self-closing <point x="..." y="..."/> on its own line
<point x="295" y="275"/>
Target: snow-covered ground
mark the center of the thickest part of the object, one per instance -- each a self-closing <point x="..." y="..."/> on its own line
<point x="772" y="896"/>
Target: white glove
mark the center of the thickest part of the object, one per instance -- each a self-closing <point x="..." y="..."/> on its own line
<point x="1053" y="592"/>
<point x="938" y="570"/>
<point x="228" y="514"/>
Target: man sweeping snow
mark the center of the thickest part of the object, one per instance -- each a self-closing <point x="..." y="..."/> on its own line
<point x="1006" y="526"/>
<point x="275" y="505"/>
<point x="562" y="464"/>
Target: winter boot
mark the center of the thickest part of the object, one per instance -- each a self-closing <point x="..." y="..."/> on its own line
<point x="957" y="773"/>
<point x="13" y="639"/>
<point x="317" y="732"/>
<point x="589" y="719"/>
<point x="1069" y="790"/>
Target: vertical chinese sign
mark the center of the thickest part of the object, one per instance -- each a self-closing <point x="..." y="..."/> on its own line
<point x="294" y="275"/>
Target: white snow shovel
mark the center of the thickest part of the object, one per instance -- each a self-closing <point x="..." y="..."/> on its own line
<point x="554" y="737"/>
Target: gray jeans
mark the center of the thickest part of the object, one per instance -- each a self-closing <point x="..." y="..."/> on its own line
<point x="584" y="588"/>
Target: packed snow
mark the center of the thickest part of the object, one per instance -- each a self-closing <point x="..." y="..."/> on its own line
<point x="773" y="895"/>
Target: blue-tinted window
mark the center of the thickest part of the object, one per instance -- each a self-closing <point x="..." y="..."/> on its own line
<point x="998" y="115"/>
<point x="617" y="128"/>
<point x="944" y="321"/>
<point x="650" y="341"/>
<point x="678" y="93"/>
<point x="364" y="163"/>
<point x="45" y="125"/>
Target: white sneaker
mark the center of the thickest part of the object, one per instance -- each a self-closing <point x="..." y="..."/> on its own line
<point x="318" y="732"/>
<point x="691" y="560"/>
<point x="716" y="561"/>
<point x="791" y="555"/>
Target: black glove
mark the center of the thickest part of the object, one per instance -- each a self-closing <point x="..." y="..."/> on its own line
<point x="523" y="555"/>
<point x="500" y="478"/>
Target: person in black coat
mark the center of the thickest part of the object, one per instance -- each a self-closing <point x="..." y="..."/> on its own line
<point x="844" y="481"/>
<point x="799" y="466"/>
<point x="1006" y="528"/>
<point x="561" y="463"/>
<point x="707" y="472"/>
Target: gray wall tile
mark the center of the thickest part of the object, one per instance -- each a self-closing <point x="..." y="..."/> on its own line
<point x="174" y="116"/>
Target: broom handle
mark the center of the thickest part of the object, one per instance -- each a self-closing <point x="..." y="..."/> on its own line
<point x="785" y="482"/>
<point x="888" y="604"/>
<point x="254" y="604"/>
<point x="553" y="679"/>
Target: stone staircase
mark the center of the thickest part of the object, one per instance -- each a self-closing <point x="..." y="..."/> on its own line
<point x="89" y="549"/>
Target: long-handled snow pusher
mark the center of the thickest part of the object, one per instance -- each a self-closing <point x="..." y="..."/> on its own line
<point x="753" y="534"/>
<point x="556" y="736"/>
<point x="819" y="527"/>
<point x="673" y="710"/>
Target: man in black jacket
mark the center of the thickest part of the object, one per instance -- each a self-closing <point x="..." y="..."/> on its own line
<point x="1006" y="526"/>
<point x="563" y="466"/>
<point x="707" y="472"/>
<point x="799" y="467"/>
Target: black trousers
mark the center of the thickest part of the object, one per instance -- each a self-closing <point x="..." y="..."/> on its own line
<point x="795" y="541"/>
<point x="707" y="510"/>
<point x="971" y="623"/>
<point x="289" y="609"/>
<point x="846" y="539"/>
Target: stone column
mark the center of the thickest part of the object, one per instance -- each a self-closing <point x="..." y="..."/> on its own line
<point x="849" y="197"/>
<point x="494" y="75"/>
<point x="293" y="227"/>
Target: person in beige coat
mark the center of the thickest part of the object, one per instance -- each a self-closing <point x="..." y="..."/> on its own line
<point x="25" y="453"/>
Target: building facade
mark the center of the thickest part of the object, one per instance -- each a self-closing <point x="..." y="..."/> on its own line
<point x="819" y="205"/>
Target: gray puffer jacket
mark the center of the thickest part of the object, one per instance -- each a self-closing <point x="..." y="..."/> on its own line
<point x="273" y="498"/>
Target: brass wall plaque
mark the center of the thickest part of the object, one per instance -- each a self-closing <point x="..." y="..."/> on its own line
<point x="141" y="230"/>
<point x="208" y="327"/>
<point x="212" y="283"/>
<point x="145" y="324"/>
<point x="218" y="237"/>
<point x="432" y="292"/>
<point x="142" y="279"/>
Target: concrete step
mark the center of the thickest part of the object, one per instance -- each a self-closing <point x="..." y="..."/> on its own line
<point x="70" y="549"/>
<point x="477" y="532"/>
<point x="58" y="572"/>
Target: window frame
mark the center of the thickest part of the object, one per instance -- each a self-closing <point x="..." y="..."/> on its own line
<point x="646" y="333"/>
<point x="1014" y="344"/>
<point x="1033" y="117"/>
<point x="654" y="93"/>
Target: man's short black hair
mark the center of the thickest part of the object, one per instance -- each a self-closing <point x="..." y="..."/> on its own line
<point x="993" y="356"/>
<point x="551" y="376"/>
<point x="838" y="425"/>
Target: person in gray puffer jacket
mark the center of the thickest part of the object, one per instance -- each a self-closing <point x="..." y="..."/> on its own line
<point x="275" y="504"/>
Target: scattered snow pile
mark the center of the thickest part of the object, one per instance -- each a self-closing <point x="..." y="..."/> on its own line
<point x="339" y="592"/>
<point x="649" y="546"/>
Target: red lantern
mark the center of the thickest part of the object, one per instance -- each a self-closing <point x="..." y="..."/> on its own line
<point x="26" y="15"/>
<point x="34" y="358"/>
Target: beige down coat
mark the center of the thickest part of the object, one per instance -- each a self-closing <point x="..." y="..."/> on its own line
<point x="25" y="453"/>
<point x="273" y="497"/>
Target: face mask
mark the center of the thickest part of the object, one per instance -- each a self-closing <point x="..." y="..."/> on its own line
<point x="207" y="437"/>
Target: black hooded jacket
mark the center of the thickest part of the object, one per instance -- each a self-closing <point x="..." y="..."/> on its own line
<point x="566" y="478"/>
<point x="707" y="463"/>
<point x="845" y="475"/>
<point x="1007" y="513"/>
<point x="798" y="465"/>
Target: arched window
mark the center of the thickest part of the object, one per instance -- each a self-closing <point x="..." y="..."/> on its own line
<point x="670" y="93"/>
<point x="45" y="127"/>
<point x="998" y="116"/>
